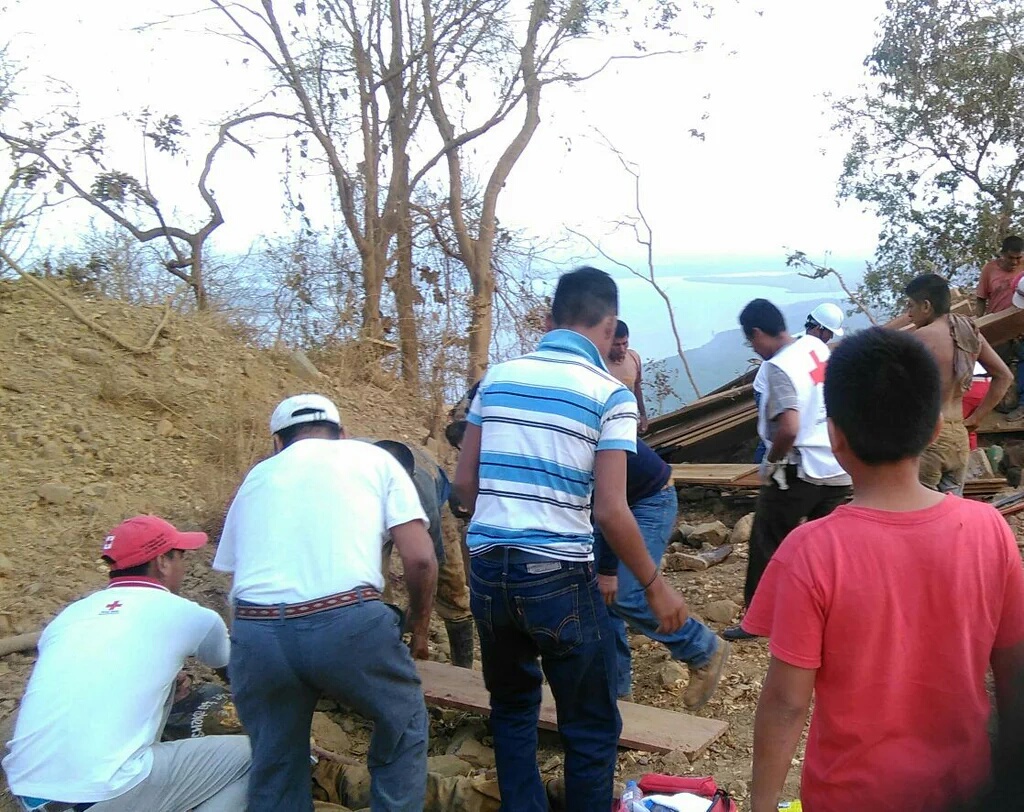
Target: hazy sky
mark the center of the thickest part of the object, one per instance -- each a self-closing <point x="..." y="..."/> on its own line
<point x="763" y="179"/>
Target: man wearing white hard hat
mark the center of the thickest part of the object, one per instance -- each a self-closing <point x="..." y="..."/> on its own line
<point x="825" y="322"/>
<point x="303" y="538"/>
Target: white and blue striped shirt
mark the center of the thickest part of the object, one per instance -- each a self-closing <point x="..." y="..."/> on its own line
<point x="543" y="417"/>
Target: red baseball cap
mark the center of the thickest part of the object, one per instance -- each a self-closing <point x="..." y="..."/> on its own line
<point x="142" y="538"/>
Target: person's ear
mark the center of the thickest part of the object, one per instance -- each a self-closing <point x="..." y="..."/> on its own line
<point x="837" y="439"/>
<point x="342" y="434"/>
<point x="163" y="564"/>
<point x="549" y="323"/>
<point x="278" y="445"/>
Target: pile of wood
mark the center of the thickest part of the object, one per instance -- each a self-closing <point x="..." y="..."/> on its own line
<point x="984" y="488"/>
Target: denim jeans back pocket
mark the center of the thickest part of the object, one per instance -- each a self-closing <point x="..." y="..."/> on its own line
<point x="480" y="606"/>
<point x="552" y="620"/>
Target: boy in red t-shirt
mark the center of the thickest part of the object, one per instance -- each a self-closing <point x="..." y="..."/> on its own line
<point x="890" y="610"/>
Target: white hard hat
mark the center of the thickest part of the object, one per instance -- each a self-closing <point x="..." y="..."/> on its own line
<point x="829" y="316"/>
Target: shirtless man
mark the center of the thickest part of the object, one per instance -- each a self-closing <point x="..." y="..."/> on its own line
<point x="956" y="344"/>
<point x="625" y="365"/>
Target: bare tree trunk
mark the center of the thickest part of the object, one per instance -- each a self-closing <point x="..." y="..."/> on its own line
<point x="405" y="303"/>
<point x="481" y="324"/>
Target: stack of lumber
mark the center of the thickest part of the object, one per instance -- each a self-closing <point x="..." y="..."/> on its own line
<point x="983" y="488"/>
<point x="713" y="417"/>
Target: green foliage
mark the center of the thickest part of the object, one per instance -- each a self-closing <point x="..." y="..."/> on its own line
<point x="937" y="142"/>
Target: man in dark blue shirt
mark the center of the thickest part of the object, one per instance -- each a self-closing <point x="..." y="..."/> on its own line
<point x="652" y="499"/>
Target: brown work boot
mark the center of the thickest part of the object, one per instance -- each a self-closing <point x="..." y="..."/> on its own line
<point x="703" y="681"/>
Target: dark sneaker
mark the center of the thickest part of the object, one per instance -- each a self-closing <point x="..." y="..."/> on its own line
<point x="737" y="634"/>
<point x="704" y="681"/>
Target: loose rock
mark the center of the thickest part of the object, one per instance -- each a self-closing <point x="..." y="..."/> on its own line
<point x="721" y="611"/>
<point x="328" y="734"/>
<point x="475" y="753"/>
<point x="713" y="533"/>
<point x="55" y="493"/>
<point x="84" y="355"/>
<point x="670" y="673"/>
<point x="301" y="367"/>
<point x="448" y="765"/>
<point x="741" y="531"/>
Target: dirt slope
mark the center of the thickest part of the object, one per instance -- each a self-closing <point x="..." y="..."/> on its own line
<point x="90" y="434"/>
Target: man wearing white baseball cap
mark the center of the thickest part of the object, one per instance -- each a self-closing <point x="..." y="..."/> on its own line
<point x="303" y="538"/>
<point x="88" y="731"/>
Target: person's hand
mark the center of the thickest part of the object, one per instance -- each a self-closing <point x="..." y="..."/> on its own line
<point x="667" y="605"/>
<point x="971" y="423"/>
<point x="418" y="646"/>
<point x="182" y="683"/>
<point x="608" y="585"/>
<point x="644" y="423"/>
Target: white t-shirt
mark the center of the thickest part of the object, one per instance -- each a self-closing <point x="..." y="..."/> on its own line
<point x="311" y="521"/>
<point x="97" y="698"/>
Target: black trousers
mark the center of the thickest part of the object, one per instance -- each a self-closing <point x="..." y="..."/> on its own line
<point x="778" y="512"/>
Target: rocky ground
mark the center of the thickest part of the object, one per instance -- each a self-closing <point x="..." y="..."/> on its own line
<point x="90" y="434"/>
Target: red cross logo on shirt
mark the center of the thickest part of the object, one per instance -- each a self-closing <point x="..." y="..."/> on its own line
<point x="818" y="373"/>
<point x="114" y="606"/>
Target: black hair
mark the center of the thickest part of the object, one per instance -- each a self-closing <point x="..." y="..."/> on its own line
<point x="139" y="570"/>
<point x="401" y="452"/>
<point x="930" y="287"/>
<point x="317" y="428"/>
<point x="455" y="432"/>
<point x="883" y="391"/>
<point x="584" y="297"/>
<point x="621" y="329"/>
<point x="1013" y="245"/>
<point x="764" y="316"/>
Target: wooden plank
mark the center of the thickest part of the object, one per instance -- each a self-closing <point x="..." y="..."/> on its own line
<point x="688" y="473"/>
<point x="655" y="730"/>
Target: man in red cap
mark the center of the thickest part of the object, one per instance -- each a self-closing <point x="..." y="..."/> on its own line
<point x="88" y="731"/>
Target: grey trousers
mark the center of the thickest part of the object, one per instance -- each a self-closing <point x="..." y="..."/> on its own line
<point x="209" y="774"/>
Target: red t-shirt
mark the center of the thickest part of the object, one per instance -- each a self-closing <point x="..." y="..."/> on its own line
<point x="996" y="286"/>
<point x="899" y="613"/>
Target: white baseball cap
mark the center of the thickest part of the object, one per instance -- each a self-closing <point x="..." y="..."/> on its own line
<point x="830" y="317"/>
<point x="303" y="409"/>
<point x="1018" y="294"/>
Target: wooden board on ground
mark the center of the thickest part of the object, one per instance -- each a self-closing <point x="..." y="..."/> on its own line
<point x="655" y="730"/>
<point x="711" y="474"/>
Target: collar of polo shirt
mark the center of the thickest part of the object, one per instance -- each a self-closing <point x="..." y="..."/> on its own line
<point x="573" y="342"/>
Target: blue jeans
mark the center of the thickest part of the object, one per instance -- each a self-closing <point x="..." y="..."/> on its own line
<point x="528" y="609"/>
<point x="354" y="654"/>
<point x="694" y="643"/>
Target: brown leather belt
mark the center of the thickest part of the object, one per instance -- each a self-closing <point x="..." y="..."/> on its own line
<point x="361" y="593"/>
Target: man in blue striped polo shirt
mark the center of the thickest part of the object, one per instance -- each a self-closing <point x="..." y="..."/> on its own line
<point x="545" y="444"/>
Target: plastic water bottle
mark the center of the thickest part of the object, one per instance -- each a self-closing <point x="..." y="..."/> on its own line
<point x="631" y="798"/>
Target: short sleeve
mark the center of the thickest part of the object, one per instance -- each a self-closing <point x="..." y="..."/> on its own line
<point x="780" y="392"/>
<point x="224" y="560"/>
<point x="983" y="291"/>
<point x="1011" y="618"/>
<point x="215" y="648"/>
<point x="401" y="501"/>
<point x="619" y="422"/>
<point x="788" y="609"/>
<point x="475" y="413"/>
